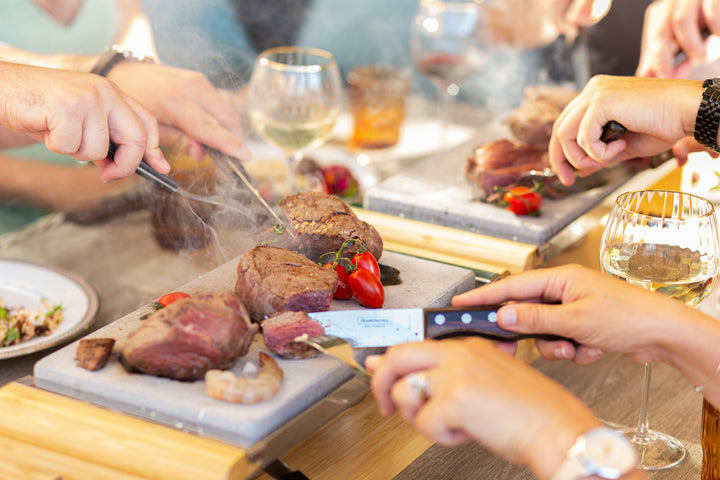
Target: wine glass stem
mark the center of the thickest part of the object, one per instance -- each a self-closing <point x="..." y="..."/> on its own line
<point x="293" y="162"/>
<point x="445" y="102"/>
<point x="642" y="434"/>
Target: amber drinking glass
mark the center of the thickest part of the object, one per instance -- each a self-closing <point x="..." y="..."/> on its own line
<point x="666" y="242"/>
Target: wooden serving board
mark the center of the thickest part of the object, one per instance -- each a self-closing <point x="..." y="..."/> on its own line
<point x="184" y="405"/>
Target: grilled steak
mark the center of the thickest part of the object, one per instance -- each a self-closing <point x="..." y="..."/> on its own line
<point x="190" y="336"/>
<point x="500" y="163"/>
<point x="321" y="223"/>
<point x="273" y="279"/>
<point x="281" y="329"/>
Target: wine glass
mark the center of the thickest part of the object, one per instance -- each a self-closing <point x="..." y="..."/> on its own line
<point x="667" y="242"/>
<point x="294" y="99"/>
<point x="446" y="47"/>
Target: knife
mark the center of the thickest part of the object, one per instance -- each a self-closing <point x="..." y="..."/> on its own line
<point x="386" y="326"/>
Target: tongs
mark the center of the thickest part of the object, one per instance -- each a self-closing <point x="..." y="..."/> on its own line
<point x="170" y="185"/>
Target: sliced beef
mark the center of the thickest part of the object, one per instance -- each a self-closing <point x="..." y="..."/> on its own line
<point x="500" y="163"/>
<point x="190" y="336"/>
<point x="321" y="223"/>
<point x="93" y="353"/>
<point x="281" y="329"/>
<point x="273" y="279"/>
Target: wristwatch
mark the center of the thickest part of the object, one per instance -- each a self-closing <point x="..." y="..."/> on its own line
<point x="602" y="452"/>
<point x="113" y="56"/>
<point x="708" y="115"/>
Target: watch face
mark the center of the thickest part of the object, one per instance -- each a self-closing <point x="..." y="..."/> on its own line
<point x="608" y="453"/>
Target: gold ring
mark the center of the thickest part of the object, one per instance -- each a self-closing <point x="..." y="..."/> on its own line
<point x="419" y="384"/>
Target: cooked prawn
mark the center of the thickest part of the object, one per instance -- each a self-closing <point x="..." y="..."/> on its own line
<point x="225" y="385"/>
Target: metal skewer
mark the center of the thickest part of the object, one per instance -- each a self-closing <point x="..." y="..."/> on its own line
<point x="254" y="191"/>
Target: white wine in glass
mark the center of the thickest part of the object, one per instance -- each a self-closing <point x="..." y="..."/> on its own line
<point x="294" y="100"/>
<point x="667" y="242"/>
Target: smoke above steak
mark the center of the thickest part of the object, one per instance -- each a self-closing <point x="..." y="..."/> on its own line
<point x="273" y="279"/>
<point x="281" y="329"/>
<point x="321" y="223"/>
<point x="190" y="336"/>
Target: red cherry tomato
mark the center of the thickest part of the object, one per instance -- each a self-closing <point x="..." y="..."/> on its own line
<point x="342" y="292"/>
<point x="366" y="288"/>
<point x="166" y="300"/>
<point x="367" y="261"/>
<point x="523" y="201"/>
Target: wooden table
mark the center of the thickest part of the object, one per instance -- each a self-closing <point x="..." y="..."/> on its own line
<point x="357" y="444"/>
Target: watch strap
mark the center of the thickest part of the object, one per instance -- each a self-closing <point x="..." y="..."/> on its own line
<point x="113" y="56"/>
<point x="707" y="121"/>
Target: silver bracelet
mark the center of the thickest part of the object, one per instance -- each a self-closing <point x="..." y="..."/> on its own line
<point x="702" y="387"/>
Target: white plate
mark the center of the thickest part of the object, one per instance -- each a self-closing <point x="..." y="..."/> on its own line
<point x="26" y="284"/>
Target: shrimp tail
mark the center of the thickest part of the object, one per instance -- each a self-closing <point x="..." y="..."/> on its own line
<point x="226" y="386"/>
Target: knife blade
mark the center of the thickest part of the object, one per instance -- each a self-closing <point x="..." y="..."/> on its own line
<point x="387" y="326"/>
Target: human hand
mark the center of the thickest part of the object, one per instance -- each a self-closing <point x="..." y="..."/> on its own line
<point x="598" y="312"/>
<point x="188" y="107"/>
<point x="656" y="113"/>
<point x="78" y="114"/>
<point x="673" y="26"/>
<point x="583" y="13"/>
<point x="477" y="392"/>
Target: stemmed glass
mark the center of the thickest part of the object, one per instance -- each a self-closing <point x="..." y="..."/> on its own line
<point x="447" y="47"/>
<point x="667" y="242"/>
<point x="294" y="99"/>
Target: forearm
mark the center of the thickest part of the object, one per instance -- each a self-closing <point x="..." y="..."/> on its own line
<point x="691" y="346"/>
<point x="80" y="63"/>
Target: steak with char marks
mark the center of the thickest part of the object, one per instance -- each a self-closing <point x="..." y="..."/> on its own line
<point x="273" y="279"/>
<point x="190" y="336"/>
<point x="321" y="223"/>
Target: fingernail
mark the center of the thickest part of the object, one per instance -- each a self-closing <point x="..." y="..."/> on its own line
<point x="508" y="316"/>
<point x="371" y="361"/>
<point x="562" y="352"/>
<point x="595" y="353"/>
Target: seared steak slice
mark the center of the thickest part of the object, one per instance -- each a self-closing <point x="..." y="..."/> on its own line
<point x="191" y="336"/>
<point x="273" y="279"/>
<point x="281" y="329"/>
<point x="321" y="223"/>
<point x="500" y="163"/>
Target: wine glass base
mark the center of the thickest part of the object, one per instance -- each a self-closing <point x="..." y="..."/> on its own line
<point x="656" y="450"/>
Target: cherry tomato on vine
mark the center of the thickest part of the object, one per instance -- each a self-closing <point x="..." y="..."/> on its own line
<point x="366" y="288"/>
<point x="166" y="300"/>
<point x="367" y="261"/>
<point x="523" y="201"/>
<point x="342" y="292"/>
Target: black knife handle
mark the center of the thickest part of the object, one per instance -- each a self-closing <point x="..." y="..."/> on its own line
<point x="446" y="322"/>
<point x="165" y="182"/>
<point x="612" y="131"/>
